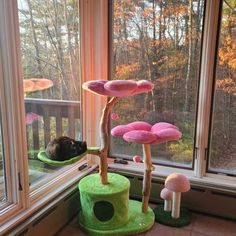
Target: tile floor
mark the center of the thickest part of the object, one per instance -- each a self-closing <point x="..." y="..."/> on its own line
<point x="201" y="225"/>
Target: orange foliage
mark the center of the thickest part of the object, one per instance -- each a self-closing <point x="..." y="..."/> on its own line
<point x="124" y="71"/>
<point x="227" y="85"/>
<point x="227" y="52"/>
<point x="177" y="10"/>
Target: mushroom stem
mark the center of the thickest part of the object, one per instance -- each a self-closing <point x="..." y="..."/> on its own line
<point x="167" y="205"/>
<point x="176" y="205"/>
<point x="147" y="176"/>
<point x="105" y="139"/>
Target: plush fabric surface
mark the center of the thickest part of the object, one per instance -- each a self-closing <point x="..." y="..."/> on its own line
<point x="165" y="218"/>
<point x="137" y="223"/>
<point x="118" y="88"/>
<point x="42" y="156"/>
<point x="116" y="193"/>
<point x="177" y="182"/>
<point x="143" y="133"/>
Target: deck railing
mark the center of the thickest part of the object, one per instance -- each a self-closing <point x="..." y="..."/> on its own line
<point x="55" y="118"/>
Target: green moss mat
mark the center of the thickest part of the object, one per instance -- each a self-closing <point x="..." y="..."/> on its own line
<point x="138" y="222"/>
<point x="165" y="218"/>
<point x="42" y="156"/>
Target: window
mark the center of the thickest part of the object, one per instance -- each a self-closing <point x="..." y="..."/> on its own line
<point x="222" y="156"/>
<point x="49" y="35"/>
<point x="161" y="42"/>
<point x="43" y="59"/>
<point x="164" y="43"/>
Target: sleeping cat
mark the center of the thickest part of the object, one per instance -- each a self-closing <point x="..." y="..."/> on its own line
<point x="64" y="148"/>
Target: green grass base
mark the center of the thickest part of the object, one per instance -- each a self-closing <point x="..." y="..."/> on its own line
<point x="138" y="222"/>
<point x="164" y="217"/>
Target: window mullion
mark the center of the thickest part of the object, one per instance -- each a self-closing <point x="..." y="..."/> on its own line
<point x="206" y="84"/>
<point x="94" y="62"/>
<point x="12" y="104"/>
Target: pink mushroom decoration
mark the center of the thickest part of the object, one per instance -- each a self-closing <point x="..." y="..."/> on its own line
<point x="146" y="134"/>
<point x="166" y="195"/>
<point x="114" y="89"/>
<point x="178" y="183"/>
<point x="137" y="159"/>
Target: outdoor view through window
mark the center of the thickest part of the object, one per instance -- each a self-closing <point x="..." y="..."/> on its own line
<point x="223" y="136"/>
<point x="49" y="35"/>
<point x="159" y="41"/>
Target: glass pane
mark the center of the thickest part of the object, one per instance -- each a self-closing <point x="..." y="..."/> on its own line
<point x="159" y="41"/>
<point x="223" y="136"/>
<point x="3" y="196"/>
<point x="49" y="33"/>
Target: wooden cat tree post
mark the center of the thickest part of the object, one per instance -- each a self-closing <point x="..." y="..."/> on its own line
<point x="114" y="89"/>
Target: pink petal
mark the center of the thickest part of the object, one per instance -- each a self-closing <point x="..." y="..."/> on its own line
<point x="140" y="136"/>
<point x="120" y="130"/>
<point x="168" y="134"/>
<point x="137" y="159"/>
<point x="120" y="88"/>
<point x="140" y="125"/>
<point x="162" y="125"/>
<point x="144" y="86"/>
<point x="114" y="116"/>
<point x="96" y="86"/>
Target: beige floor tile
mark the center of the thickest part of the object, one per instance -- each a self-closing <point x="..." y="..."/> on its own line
<point x="214" y="226"/>
<point x="162" y="230"/>
<point x="198" y="234"/>
<point x="71" y="231"/>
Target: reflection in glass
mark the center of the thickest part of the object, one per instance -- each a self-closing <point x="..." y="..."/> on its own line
<point x="49" y="34"/>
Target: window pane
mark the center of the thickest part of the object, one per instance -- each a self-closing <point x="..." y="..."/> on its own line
<point x="223" y="136"/>
<point x="2" y="172"/>
<point x="49" y="33"/>
<point x="158" y="41"/>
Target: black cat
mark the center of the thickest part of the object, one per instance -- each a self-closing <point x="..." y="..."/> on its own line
<point x="64" y="148"/>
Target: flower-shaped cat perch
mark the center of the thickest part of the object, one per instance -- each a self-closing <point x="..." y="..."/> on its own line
<point x="146" y="134"/>
<point x="114" y="89"/>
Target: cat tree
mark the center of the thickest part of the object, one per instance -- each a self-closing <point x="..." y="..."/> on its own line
<point x="106" y="208"/>
<point x="105" y="205"/>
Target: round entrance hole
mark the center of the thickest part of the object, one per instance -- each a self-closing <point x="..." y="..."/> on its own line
<point x="103" y="210"/>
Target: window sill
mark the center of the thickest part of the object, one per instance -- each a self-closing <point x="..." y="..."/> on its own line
<point x="213" y="181"/>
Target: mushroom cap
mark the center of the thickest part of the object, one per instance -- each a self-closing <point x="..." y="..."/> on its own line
<point x="162" y="125"/>
<point x="168" y="134"/>
<point x="177" y="182"/>
<point x="144" y="133"/>
<point x="36" y="84"/>
<point x="28" y="85"/>
<point x="140" y="125"/>
<point x="120" y="130"/>
<point x="139" y="136"/>
<point x="137" y="159"/>
<point x="166" y="194"/>
<point x="118" y="88"/>
<point x="143" y="87"/>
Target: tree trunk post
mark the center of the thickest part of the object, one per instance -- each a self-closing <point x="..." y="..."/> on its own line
<point x="147" y="179"/>
<point x="104" y="137"/>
